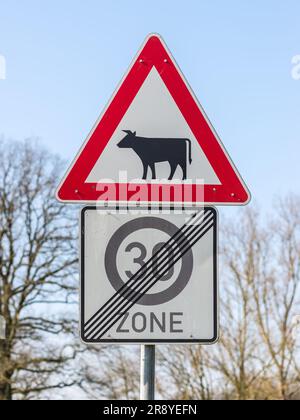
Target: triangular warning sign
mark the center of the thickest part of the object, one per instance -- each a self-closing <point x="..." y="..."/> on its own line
<point x="153" y="144"/>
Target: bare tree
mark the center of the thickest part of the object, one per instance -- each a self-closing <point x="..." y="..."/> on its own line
<point x="258" y="351"/>
<point x="111" y="372"/>
<point x="277" y="296"/>
<point x="38" y="273"/>
<point x="185" y="374"/>
<point x="239" y="357"/>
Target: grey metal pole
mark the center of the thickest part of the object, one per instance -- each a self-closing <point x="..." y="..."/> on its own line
<point x="147" y="387"/>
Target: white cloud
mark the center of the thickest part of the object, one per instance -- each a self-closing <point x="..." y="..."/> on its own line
<point x="296" y="67"/>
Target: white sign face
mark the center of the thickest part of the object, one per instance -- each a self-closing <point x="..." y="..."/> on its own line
<point x="149" y="277"/>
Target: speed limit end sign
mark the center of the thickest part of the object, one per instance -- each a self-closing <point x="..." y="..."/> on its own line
<point x="149" y="277"/>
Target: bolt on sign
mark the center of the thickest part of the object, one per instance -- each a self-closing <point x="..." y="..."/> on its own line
<point x="149" y="278"/>
<point x="153" y="143"/>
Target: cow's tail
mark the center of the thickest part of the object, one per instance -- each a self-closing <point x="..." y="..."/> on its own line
<point x="190" y="150"/>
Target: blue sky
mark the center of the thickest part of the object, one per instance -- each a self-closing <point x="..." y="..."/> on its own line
<point x="65" y="58"/>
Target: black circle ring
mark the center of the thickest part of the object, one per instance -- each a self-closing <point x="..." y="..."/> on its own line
<point x="148" y="223"/>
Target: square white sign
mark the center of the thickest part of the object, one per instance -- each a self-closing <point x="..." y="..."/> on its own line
<point x="149" y="277"/>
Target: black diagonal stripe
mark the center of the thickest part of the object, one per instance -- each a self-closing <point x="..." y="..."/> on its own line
<point x="114" y="300"/>
<point x="142" y="282"/>
<point x="180" y="233"/>
<point x="146" y="281"/>
<point x="129" y="305"/>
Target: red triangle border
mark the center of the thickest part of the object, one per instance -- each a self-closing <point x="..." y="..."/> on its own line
<point x="154" y="53"/>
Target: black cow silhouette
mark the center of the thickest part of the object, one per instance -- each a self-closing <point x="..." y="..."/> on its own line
<point x="154" y="150"/>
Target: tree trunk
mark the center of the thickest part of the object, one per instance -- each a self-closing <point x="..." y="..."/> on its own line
<point x="5" y="374"/>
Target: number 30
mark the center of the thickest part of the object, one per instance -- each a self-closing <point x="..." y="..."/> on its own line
<point x="143" y="254"/>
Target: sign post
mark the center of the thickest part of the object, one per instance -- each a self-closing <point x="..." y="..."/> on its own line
<point x="147" y="387"/>
<point x="150" y="276"/>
